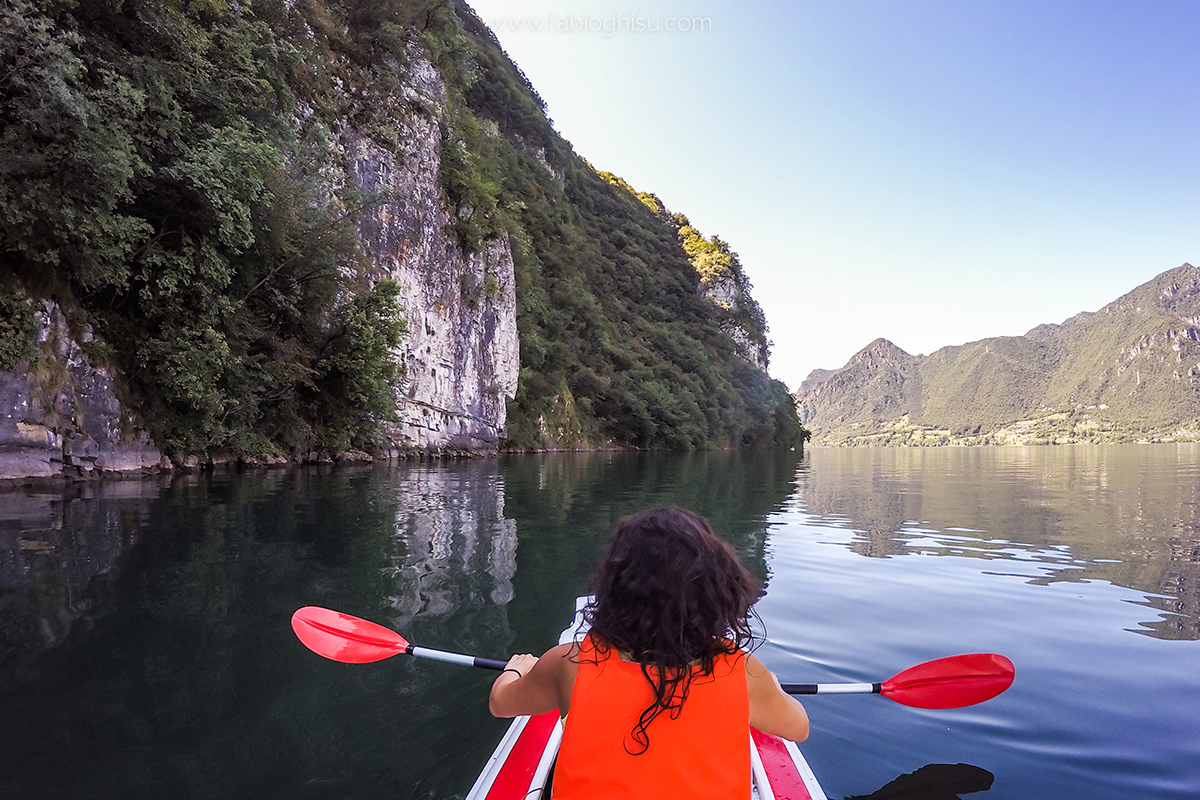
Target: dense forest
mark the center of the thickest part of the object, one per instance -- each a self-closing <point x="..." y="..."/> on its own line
<point x="166" y="181"/>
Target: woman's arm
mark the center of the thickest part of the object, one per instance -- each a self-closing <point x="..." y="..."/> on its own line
<point x="537" y="685"/>
<point x="771" y="709"/>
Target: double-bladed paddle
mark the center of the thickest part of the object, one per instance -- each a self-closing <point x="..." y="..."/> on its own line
<point x="950" y="682"/>
<point x="351" y="640"/>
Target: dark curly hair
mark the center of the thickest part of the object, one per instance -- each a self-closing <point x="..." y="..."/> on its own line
<point x="672" y="596"/>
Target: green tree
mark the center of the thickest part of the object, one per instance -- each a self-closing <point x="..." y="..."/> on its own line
<point x="159" y="182"/>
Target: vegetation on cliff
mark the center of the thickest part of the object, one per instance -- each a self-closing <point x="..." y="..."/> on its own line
<point x="617" y="344"/>
<point x="170" y="180"/>
<point x="722" y="279"/>
<point x="159" y="185"/>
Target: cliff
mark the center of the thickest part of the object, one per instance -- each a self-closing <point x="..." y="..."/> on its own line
<point x="460" y="352"/>
<point x="722" y="280"/>
<point x="457" y="363"/>
<point x="1128" y="372"/>
<point x="295" y="230"/>
<point x="63" y="417"/>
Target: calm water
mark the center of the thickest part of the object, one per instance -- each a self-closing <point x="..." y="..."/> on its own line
<point x="145" y="650"/>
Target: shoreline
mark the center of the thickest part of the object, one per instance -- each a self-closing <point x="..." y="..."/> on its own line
<point x="71" y="475"/>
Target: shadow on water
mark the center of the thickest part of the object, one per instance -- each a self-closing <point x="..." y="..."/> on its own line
<point x="934" y="782"/>
<point x="1129" y="515"/>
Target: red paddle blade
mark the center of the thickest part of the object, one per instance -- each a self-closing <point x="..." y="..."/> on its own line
<point x="344" y="638"/>
<point x="951" y="682"/>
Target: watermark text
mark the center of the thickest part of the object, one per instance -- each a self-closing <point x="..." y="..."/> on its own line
<point x="609" y="25"/>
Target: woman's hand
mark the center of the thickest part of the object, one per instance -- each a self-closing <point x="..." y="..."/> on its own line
<point x="522" y="663"/>
<point x="532" y="685"/>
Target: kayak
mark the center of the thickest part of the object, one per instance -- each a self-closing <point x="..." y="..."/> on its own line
<point x="521" y="766"/>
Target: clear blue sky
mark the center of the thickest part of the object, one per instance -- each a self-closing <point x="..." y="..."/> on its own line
<point x="930" y="171"/>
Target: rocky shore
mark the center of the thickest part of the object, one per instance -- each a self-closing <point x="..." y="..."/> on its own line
<point x="61" y="420"/>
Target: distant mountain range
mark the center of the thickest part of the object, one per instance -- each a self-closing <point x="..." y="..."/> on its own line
<point x="1129" y="372"/>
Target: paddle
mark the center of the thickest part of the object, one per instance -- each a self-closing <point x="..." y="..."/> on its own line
<point x="950" y="682"/>
<point x="351" y="640"/>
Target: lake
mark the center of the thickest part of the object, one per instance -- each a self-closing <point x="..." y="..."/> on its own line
<point x="145" y="650"/>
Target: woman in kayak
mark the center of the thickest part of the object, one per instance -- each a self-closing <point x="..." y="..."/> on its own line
<point x="662" y="692"/>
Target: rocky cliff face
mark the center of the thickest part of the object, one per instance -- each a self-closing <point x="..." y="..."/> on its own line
<point x="731" y="294"/>
<point x="460" y="354"/>
<point x="217" y="247"/>
<point x="62" y="417"/>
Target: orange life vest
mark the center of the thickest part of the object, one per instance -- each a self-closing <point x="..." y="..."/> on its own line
<point x="704" y="753"/>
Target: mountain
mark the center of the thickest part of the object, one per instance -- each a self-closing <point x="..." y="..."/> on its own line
<point x="814" y="379"/>
<point x="1128" y="372"/>
<point x="293" y="229"/>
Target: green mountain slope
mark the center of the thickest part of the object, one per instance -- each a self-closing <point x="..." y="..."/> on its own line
<point x="618" y="347"/>
<point x="1128" y="372"/>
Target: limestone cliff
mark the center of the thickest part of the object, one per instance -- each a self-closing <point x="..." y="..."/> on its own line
<point x="460" y="356"/>
<point x="63" y="417"/>
<point x="460" y="353"/>
<point x="246" y="222"/>
<point x="730" y="291"/>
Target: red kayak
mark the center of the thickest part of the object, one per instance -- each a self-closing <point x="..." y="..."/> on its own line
<point x="520" y="767"/>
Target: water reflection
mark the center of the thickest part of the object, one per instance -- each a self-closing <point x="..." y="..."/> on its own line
<point x="53" y="544"/>
<point x="589" y="492"/>
<point x="450" y="524"/>
<point x="406" y="543"/>
<point x="144" y="645"/>
<point x="453" y="551"/>
<point x="1128" y="515"/>
<point x="145" y="649"/>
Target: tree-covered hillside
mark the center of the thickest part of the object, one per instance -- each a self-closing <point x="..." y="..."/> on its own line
<point x="617" y="345"/>
<point x="170" y="178"/>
